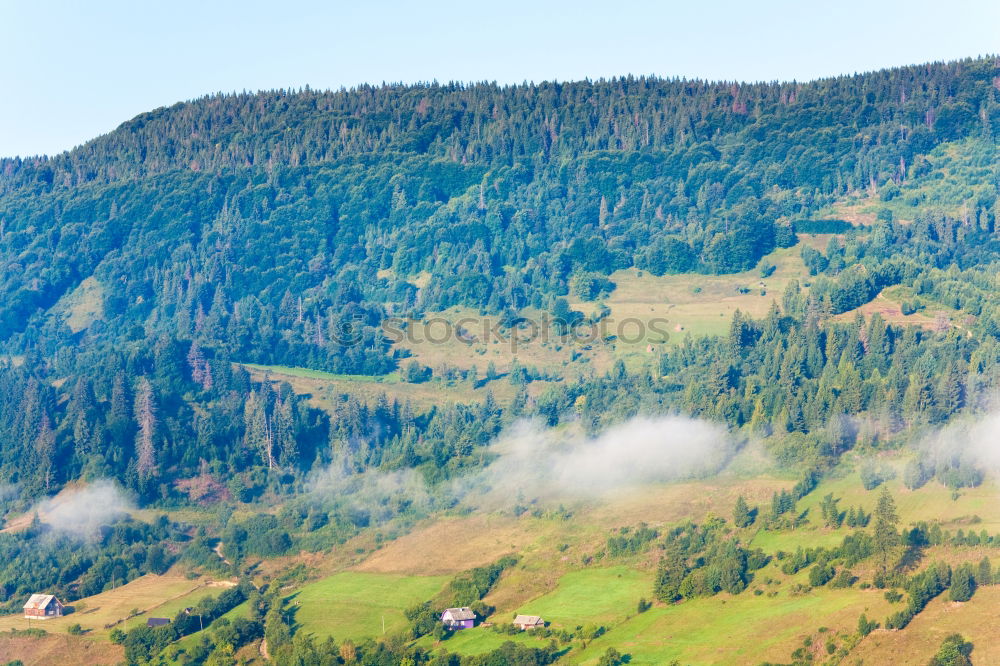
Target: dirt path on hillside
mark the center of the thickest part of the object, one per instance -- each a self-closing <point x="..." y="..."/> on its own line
<point x="218" y="551"/>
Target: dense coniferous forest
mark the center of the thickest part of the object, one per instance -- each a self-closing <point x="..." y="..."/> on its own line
<point x="213" y="224"/>
<point x="283" y="228"/>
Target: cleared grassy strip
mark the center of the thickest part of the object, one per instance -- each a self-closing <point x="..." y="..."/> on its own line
<point x="970" y="508"/>
<point x="771" y="542"/>
<point x="191" y="600"/>
<point x="581" y="598"/>
<point x="591" y="596"/>
<point x="93" y="613"/>
<point x="173" y="652"/>
<point x="323" y="387"/>
<point x="479" y="640"/>
<point x="920" y="640"/>
<point x="307" y="373"/>
<point x="734" y="630"/>
<point x="697" y="304"/>
<point x="354" y="605"/>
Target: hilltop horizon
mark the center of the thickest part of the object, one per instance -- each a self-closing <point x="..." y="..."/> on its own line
<point x="504" y="85"/>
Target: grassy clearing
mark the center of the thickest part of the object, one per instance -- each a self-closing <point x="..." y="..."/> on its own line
<point x="172" y="654"/>
<point x="430" y="343"/>
<point x="926" y="307"/>
<point x="171" y="608"/>
<point x="597" y="596"/>
<point x="918" y="642"/>
<point x="479" y="640"/>
<point x="148" y="594"/>
<point x="14" y="523"/>
<point x="695" y="304"/>
<point x="354" y="605"/>
<point x="888" y="304"/>
<point x="591" y="596"/>
<point x="819" y="241"/>
<point x="671" y="503"/>
<point x="975" y="508"/>
<point x="734" y="630"/>
<point x="961" y="172"/>
<point x="59" y="649"/>
<point x="325" y="388"/>
<point x="645" y="311"/>
<point x="83" y="306"/>
<point x="449" y="545"/>
<point x="481" y="538"/>
<point x="772" y="542"/>
<point x="306" y="373"/>
<point x="972" y="509"/>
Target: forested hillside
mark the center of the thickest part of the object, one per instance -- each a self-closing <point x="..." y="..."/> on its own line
<point x="284" y="205"/>
<point x="167" y="290"/>
<point x="282" y="228"/>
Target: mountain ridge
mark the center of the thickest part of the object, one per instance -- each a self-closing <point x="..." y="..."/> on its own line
<point x="408" y="102"/>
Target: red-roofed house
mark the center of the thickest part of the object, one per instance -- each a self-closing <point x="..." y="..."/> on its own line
<point x="42" y="607"/>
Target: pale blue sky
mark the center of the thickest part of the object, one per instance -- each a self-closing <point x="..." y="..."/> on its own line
<point x="72" y="70"/>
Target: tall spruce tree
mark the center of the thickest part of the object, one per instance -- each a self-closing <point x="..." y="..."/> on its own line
<point x="885" y="533"/>
<point x="742" y="516"/>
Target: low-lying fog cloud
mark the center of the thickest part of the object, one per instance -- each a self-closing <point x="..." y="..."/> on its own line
<point x="531" y="461"/>
<point x="537" y="461"/>
<point x="977" y="441"/>
<point x="80" y="511"/>
<point x="372" y="490"/>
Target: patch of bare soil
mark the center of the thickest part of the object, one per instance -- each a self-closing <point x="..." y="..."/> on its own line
<point x="59" y="649"/>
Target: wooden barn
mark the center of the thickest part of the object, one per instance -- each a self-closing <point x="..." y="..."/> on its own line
<point x="154" y="622"/>
<point x="525" y="622"/>
<point x="42" y="607"/>
<point x="458" y="618"/>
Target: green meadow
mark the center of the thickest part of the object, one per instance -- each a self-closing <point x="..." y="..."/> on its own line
<point x="306" y="373"/>
<point x="173" y="654"/>
<point x="591" y="596"/>
<point x="479" y="640"/>
<point x="354" y="605"/>
<point x="741" y="629"/>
